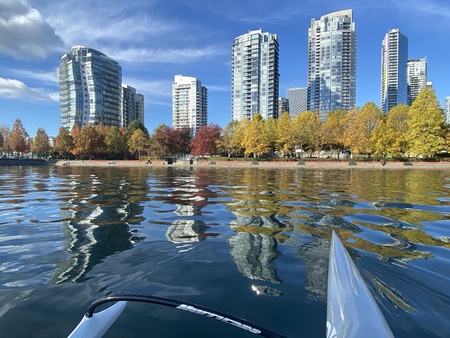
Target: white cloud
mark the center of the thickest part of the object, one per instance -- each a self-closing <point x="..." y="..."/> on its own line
<point x="24" y="34"/>
<point x="156" y="92"/>
<point x="50" y="78"/>
<point x="168" y="55"/>
<point x="15" y="89"/>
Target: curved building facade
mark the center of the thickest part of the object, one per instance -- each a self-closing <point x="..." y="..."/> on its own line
<point x="90" y="88"/>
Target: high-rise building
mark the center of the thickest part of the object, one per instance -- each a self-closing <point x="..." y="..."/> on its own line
<point x="394" y="60"/>
<point x="417" y="78"/>
<point x="254" y="76"/>
<point x="447" y="110"/>
<point x="189" y="103"/>
<point x="90" y="85"/>
<point x="132" y="106"/>
<point x="332" y="63"/>
<point x="298" y="101"/>
<point x="283" y="106"/>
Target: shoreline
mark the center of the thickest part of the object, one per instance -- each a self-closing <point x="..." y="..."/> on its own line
<point x="261" y="164"/>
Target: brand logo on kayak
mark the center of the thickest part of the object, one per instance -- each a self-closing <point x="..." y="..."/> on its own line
<point x="221" y="318"/>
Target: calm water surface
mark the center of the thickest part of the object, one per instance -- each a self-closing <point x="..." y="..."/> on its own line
<point x="250" y="242"/>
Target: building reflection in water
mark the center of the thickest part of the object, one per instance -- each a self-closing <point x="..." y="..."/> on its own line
<point x="190" y="197"/>
<point x="97" y="213"/>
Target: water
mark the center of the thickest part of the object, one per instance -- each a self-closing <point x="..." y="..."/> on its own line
<point x="250" y="242"/>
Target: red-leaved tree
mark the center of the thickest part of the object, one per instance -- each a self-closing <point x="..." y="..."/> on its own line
<point x="205" y="140"/>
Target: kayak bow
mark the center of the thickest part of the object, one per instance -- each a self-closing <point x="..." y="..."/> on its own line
<point x="351" y="309"/>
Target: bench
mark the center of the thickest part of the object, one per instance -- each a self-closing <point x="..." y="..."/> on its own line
<point x="407" y="163"/>
<point x="255" y="163"/>
<point x="212" y="162"/>
<point x="352" y="163"/>
<point x="112" y="162"/>
<point x="301" y="163"/>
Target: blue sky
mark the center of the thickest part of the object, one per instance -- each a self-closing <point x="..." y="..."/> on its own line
<point x="154" y="40"/>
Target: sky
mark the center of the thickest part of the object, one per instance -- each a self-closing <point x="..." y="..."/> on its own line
<point x="154" y="40"/>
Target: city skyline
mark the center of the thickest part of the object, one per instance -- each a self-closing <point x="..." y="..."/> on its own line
<point x="153" y="41"/>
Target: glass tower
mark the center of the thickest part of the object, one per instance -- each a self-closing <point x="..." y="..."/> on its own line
<point x="189" y="103"/>
<point x="298" y="100"/>
<point x="394" y="61"/>
<point x="417" y="78"/>
<point x="332" y="63"/>
<point x="90" y="87"/>
<point x="254" y="76"/>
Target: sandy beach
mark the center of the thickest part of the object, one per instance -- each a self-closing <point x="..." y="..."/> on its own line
<point x="261" y="164"/>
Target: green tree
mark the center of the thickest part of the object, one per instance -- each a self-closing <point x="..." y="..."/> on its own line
<point x="115" y="140"/>
<point x="18" y="138"/>
<point x="135" y="124"/>
<point x="64" y="142"/>
<point x="205" y="140"/>
<point x="138" y="142"/>
<point x="255" y="140"/>
<point x="41" y="144"/>
<point x="426" y="125"/>
<point x="286" y="140"/>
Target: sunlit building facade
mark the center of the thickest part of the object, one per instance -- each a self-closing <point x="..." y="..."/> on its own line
<point x="417" y="78"/>
<point x="132" y="106"/>
<point x="394" y="62"/>
<point x="189" y="103"/>
<point x="254" y="76"/>
<point x="332" y="63"/>
<point x="447" y="110"/>
<point x="90" y="88"/>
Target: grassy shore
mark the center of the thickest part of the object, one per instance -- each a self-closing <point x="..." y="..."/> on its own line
<point x="261" y="164"/>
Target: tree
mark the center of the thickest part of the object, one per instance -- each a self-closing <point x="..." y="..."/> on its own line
<point x="225" y="142"/>
<point x="88" y="141"/>
<point x="64" y="142"/>
<point x="307" y="131"/>
<point x="255" y="141"/>
<point x="237" y="141"/>
<point x="160" y="141"/>
<point x="205" y="140"/>
<point x="180" y="140"/>
<point x="131" y="128"/>
<point x="331" y="133"/>
<point x="18" y="138"/>
<point x="115" y="140"/>
<point x="4" y="131"/>
<point x="271" y="133"/>
<point x="74" y="133"/>
<point x="41" y="144"/>
<point x="138" y="142"/>
<point x="426" y="124"/>
<point x="359" y="134"/>
<point x="392" y="135"/>
<point x="286" y="140"/>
